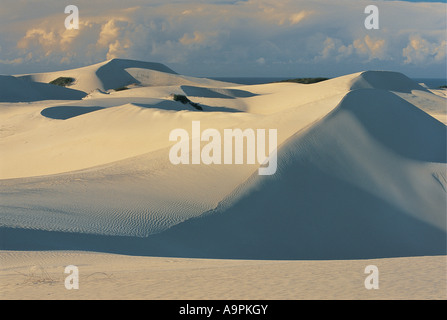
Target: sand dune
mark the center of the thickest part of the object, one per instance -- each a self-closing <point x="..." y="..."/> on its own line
<point x="17" y="90"/>
<point x="353" y="194"/>
<point x="361" y="167"/>
<point x="386" y="80"/>
<point x="117" y="73"/>
<point x="215" y="92"/>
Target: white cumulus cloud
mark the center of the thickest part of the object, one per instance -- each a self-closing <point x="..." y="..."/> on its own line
<point x="228" y="37"/>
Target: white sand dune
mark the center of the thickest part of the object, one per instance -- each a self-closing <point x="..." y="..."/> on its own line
<point x="361" y="168"/>
<point x="117" y="73"/>
<point x="386" y="80"/>
<point x="355" y="185"/>
<point x="17" y="90"/>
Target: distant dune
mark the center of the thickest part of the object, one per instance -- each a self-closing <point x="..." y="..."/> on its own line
<point x="117" y="73"/>
<point x="361" y="166"/>
<point x="17" y="90"/>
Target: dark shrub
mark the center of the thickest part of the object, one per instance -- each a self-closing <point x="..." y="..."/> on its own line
<point x="63" y="81"/>
<point x="196" y="105"/>
<point x="184" y="99"/>
<point x="121" y="88"/>
<point x="305" y="80"/>
<point x="179" y="97"/>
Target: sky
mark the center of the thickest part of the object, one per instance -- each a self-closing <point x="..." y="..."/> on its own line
<point x="227" y="38"/>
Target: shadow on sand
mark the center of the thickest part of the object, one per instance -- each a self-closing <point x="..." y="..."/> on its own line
<point x="328" y="225"/>
<point x="67" y="112"/>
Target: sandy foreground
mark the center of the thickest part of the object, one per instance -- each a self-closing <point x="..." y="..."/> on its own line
<point x="359" y="173"/>
<point x="40" y="275"/>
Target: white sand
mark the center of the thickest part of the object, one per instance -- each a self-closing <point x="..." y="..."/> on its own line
<point x="361" y="175"/>
<point x="40" y="275"/>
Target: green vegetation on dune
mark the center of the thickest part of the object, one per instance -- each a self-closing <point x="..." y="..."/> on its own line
<point x="184" y="99"/>
<point x="63" y="81"/>
<point x="304" y="80"/>
<point x="121" y="88"/>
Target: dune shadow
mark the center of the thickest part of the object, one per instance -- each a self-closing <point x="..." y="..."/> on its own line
<point x="327" y="225"/>
<point x="216" y="93"/>
<point x="398" y="125"/>
<point x="178" y="106"/>
<point x="166" y="105"/>
<point x="113" y="74"/>
<point x="67" y="112"/>
<point x="304" y="212"/>
<point x="386" y="80"/>
<point x="22" y="89"/>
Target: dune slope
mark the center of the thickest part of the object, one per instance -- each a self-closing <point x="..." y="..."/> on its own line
<point x="118" y="73"/>
<point x="17" y="90"/>
<point x="340" y="192"/>
<point x="361" y="168"/>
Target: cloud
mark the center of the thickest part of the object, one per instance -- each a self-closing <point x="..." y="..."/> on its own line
<point x="372" y="48"/>
<point x="329" y="46"/>
<point x="227" y="37"/>
<point x="260" y="61"/>
<point x="198" y="37"/>
<point x="298" y="17"/>
<point x="14" y="61"/>
<point x="422" y="51"/>
<point x="37" y="37"/>
<point x="112" y="38"/>
<point x="365" y="48"/>
<point x="111" y="31"/>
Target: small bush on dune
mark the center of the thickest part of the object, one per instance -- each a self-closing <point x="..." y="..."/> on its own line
<point x="179" y="97"/>
<point x="121" y="88"/>
<point x="184" y="99"/>
<point x="305" y="80"/>
<point x="63" y="81"/>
